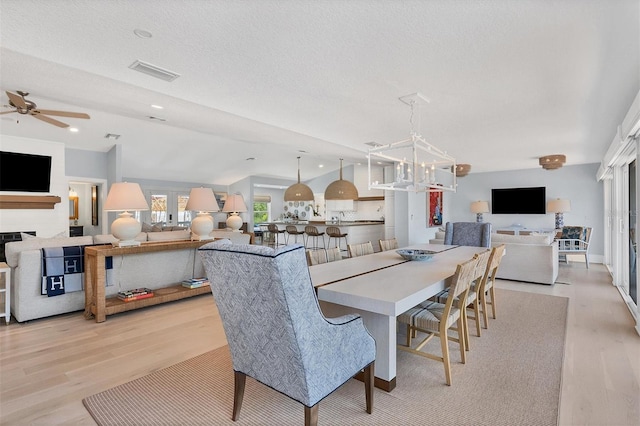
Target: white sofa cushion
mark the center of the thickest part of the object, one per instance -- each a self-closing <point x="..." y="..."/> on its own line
<point x="169" y="235"/>
<point x="110" y="239"/>
<point x="522" y="239"/>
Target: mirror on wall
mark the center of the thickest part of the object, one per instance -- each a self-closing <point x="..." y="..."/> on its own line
<point x="73" y="208"/>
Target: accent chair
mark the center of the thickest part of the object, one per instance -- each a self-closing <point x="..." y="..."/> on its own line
<point x="275" y="329"/>
<point x="468" y="234"/>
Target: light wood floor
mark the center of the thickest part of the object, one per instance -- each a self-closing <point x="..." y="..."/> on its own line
<point x="48" y="366"/>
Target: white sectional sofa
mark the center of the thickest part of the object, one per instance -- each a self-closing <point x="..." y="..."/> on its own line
<point x="153" y="270"/>
<point x="529" y="258"/>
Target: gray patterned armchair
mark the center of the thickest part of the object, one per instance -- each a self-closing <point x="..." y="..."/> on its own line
<point x="275" y="329"/>
<point x="468" y="234"/>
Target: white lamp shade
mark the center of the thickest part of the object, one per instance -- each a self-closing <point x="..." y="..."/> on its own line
<point x="480" y="207"/>
<point x="125" y="196"/>
<point x="234" y="204"/>
<point x="559" y="206"/>
<point x="202" y="200"/>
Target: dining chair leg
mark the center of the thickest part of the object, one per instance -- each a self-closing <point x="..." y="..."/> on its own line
<point x="368" y="386"/>
<point x="476" y="314"/>
<point x="462" y="338"/>
<point x="465" y="329"/>
<point x="444" y="342"/>
<point x="311" y="415"/>
<point x="485" y="315"/>
<point x="238" y="393"/>
<point x="493" y="301"/>
<point x="409" y="332"/>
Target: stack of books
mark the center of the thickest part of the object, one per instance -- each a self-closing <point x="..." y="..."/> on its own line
<point x="135" y="294"/>
<point x="195" y="282"/>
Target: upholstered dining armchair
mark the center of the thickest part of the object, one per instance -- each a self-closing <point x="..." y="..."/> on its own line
<point x="275" y="329"/>
<point x="468" y="234"/>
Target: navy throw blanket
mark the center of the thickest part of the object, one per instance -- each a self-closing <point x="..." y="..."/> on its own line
<point x="63" y="270"/>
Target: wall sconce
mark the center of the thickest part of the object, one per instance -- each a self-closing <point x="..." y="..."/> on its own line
<point x="479" y="207"/>
<point x="559" y="207"/>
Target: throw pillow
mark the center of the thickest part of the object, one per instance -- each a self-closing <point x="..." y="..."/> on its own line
<point x="146" y="227"/>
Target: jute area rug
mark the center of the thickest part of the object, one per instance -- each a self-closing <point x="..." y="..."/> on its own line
<point x="512" y="377"/>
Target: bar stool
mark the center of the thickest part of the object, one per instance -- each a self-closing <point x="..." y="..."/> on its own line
<point x="273" y="228"/>
<point x="312" y="232"/>
<point x="293" y="230"/>
<point x="335" y="233"/>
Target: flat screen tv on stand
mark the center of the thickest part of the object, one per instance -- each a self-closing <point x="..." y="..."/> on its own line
<point x="518" y="200"/>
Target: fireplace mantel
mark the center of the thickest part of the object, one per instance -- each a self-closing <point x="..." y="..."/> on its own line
<point x="28" y="201"/>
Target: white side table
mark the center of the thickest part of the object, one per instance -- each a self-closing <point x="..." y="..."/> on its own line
<point x="5" y="292"/>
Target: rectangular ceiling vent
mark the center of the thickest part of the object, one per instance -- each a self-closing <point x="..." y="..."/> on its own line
<point x="154" y="71"/>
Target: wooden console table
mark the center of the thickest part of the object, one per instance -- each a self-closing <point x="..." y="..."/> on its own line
<point x="97" y="305"/>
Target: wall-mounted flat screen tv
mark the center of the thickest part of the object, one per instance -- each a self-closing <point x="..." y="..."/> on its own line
<point x="518" y="200"/>
<point x="24" y="172"/>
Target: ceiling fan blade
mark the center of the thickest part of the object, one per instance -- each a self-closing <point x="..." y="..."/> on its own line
<point x="62" y="113"/>
<point x="49" y="120"/>
<point x="7" y="112"/>
<point x="17" y="100"/>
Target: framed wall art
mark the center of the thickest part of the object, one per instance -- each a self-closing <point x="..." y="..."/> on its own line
<point x="434" y="208"/>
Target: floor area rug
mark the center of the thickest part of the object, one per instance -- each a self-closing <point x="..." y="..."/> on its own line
<point x="512" y="377"/>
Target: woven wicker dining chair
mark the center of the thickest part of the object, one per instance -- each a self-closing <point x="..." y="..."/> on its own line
<point x="361" y="249"/>
<point x="319" y="256"/>
<point x="437" y="319"/>
<point x="390" y="244"/>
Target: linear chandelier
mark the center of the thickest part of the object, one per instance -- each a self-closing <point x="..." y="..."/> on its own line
<point x="418" y="165"/>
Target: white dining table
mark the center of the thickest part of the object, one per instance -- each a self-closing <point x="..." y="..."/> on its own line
<point x="381" y="286"/>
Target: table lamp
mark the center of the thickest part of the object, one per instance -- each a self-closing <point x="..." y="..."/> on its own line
<point x="203" y="201"/>
<point x="479" y="207"/>
<point x="234" y="205"/>
<point x="124" y="197"/>
<point x="559" y="207"/>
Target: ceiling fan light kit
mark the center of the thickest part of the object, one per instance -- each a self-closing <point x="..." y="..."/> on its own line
<point x="552" y="162"/>
<point x="26" y="107"/>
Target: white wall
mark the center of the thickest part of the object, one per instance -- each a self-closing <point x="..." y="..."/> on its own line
<point x="576" y="183"/>
<point x="46" y="222"/>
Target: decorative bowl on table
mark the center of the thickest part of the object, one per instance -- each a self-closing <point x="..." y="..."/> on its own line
<point x="410" y="254"/>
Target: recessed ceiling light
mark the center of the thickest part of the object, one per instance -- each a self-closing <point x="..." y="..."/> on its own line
<point x="111" y="136"/>
<point x="250" y="158"/>
<point x="142" y="33"/>
<point x="321" y="165"/>
<point x="303" y="151"/>
<point x="151" y="117"/>
<point x="73" y="129"/>
<point x="157" y="106"/>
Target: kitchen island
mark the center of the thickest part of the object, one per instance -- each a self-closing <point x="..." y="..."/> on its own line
<point x="357" y="231"/>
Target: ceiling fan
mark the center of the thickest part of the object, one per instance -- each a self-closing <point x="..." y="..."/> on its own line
<point x="27" y="107"/>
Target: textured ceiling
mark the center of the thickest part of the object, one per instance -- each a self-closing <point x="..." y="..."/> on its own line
<point x="508" y="81"/>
